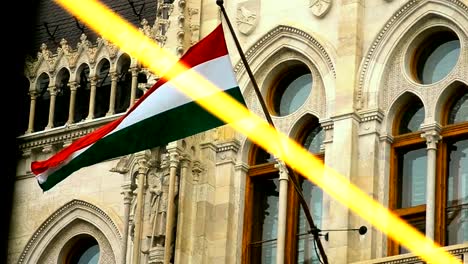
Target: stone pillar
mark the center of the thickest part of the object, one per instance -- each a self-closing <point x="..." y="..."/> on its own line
<point x="128" y="196"/>
<point x="92" y="97"/>
<point x="32" y="111"/>
<point x="185" y="202"/>
<point x="432" y="135"/>
<point x="53" y="96"/>
<point x="174" y="162"/>
<point x="344" y="150"/>
<point x="71" y="110"/>
<point x="134" y="86"/>
<point x="113" y="91"/>
<point x="138" y="218"/>
<point x="282" y="210"/>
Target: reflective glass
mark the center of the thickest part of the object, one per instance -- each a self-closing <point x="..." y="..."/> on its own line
<point x="459" y="111"/>
<point x="314" y="140"/>
<point x="90" y="256"/>
<point x="457" y="193"/>
<point x="306" y="248"/>
<point x="412" y="119"/>
<point x="264" y="229"/>
<point x="438" y="61"/>
<point x="412" y="177"/>
<point x="295" y="94"/>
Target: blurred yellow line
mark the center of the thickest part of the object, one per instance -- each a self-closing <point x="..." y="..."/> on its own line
<point x="129" y="39"/>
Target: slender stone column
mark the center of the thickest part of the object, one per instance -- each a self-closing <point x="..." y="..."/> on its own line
<point x="134" y="86"/>
<point x="71" y="110"/>
<point x="282" y="210"/>
<point x="32" y="111"/>
<point x="128" y="196"/>
<point x="53" y="96"/>
<point x="113" y="91"/>
<point x="92" y="97"/>
<point x="432" y="135"/>
<point x="174" y="162"/>
<point x="138" y="219"/>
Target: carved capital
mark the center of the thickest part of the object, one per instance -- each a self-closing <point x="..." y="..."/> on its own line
<point x="431" y="133"/>
<point x="432" y="138"/>
<point x="283" y="170"/>
<point x="143" y="166"/>
<point x="52" y="90"/>
<point x="174" y="159"/>
<point x="73" y="86"/>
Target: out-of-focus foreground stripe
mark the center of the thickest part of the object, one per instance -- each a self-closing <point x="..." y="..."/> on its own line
<point x="117" y="30"/>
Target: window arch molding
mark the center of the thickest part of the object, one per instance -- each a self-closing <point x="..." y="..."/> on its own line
<point x="406" y="21"/>
<point x="86" y="217"/>
<point x="280" y="45"/>
<point x="398" y="103"/>
<point x="444" y="97"/>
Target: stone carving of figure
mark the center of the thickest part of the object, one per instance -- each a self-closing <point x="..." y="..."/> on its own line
<point x="320" y="7"/>
<point x="158" y="205"/>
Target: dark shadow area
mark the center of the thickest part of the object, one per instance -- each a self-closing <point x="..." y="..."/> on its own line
<point x="17" y="36"/>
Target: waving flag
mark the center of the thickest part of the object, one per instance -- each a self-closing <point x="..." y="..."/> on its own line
<point x="162" y="115"/>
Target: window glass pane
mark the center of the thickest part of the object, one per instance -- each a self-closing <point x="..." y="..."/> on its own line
<point x="412" y="118"/>
<point x="412" y="178"/>
<point x="265" y="221"/>
<point x="306" y="248"/>
<point x="459" y="111"/>
<point x="90" y="256"/>
<point x="295" y="94"/>
<point x="457" y="193"/>
<point x="438" y="61"/>
<point x="314" y="140"/>
<point x="262" y="157"/>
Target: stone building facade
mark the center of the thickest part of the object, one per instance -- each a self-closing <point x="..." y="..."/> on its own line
<point x="377" y="89"/>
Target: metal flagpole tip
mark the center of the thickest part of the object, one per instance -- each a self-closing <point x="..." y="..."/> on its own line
<point x="219" y="2"/>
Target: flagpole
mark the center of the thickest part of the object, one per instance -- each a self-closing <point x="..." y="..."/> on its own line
<point x="315" y="231"/>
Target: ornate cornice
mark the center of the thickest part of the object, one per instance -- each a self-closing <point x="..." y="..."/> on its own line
<point x="60" y="134"/>
<point x="282" y="29"/>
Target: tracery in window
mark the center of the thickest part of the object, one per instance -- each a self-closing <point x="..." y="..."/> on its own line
<point x="408" y="168"/>
<point x="291" y="89"/>
<point x="459" y="111"/>
<point x="435" y="56"/>
<point x="82" y="249"/>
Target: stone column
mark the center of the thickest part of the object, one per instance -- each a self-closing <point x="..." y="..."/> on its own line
<point x="432" y="136"/>
<point x="71" y="110"/>
<point x="128" y="196"/>
<point x="92" y="97"/>
<point x="138" y="219"/>
<point x="282" y="210"/>
<point x="114" y="77"/>
<point x="53" y="96"/>
<point x="174" y="162"/>
<point x="32" y="111"/>
<point x="134" y="86"/>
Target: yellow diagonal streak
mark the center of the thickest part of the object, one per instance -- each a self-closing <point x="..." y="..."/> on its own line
<point x="129" y="39"/>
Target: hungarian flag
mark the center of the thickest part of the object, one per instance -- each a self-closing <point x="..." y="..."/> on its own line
<point x="162" y="115"/>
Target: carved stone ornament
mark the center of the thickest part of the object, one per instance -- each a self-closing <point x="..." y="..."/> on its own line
<point x="247" y="16"/>
<point x="320" y="7"/>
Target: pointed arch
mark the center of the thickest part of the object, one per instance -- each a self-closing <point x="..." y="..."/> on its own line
<point x="282" y="45"/>
<point x="445" y="97"/>
<point x="97" y="223"/>
<point x="399" y="103"/>
<point x="407" y="20"/>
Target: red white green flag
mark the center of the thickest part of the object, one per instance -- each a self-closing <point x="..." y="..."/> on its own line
<point x="162" y="115"/>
